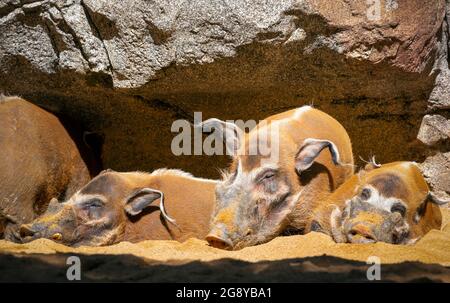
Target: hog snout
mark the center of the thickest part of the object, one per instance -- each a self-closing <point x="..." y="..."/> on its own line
<point x="218" y="238"/>
<point x="28" y="232"/>
<point x="220" y="243"/>
<point x="361" y="233"/>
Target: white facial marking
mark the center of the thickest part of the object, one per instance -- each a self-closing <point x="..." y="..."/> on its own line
<point x="379" y="201"/>
<point x="78" y="198"/>
<point x="240" y="173"/>
<point x="417" y="218"/>
<point x="297" y="196"/>
<point x="248" y="177"/>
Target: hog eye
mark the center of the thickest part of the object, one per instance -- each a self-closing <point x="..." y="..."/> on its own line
<point x="366" y="193"/>
<point x="93" y="204"/>
<point x="400" y="208"/>
<point x="93" y="208"/>
<point x="267" y="176"/>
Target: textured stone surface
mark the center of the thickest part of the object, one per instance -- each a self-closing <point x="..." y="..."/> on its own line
<point x="440" y="96"/>
<point x="128" y="69"/>
<point x="434" y="129"/>
<point x="133" y="40"/>
<point x="437" y="171"/>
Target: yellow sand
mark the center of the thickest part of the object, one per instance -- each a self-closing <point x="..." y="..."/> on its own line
<point x="433" y="248"/>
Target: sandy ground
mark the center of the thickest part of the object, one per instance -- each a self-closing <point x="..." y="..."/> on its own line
<point x="434" y="248"/>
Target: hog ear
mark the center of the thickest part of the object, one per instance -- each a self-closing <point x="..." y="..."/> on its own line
<point x="436" y="200"/>
<point x="142" y="198"/>
<point x="336" y="226"/>
<point x="371" y="164"/>
<point x="108" y="170"/>
<point x="227" y="132"/>
<point x="53" y="206"/>
<point x="311" y="149"/>
<point x="420" y="212"/>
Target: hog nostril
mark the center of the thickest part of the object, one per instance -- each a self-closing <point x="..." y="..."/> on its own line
<point x="361" y="234"/>
<point x="26" y="231"/>
<point x="217" y="242"/>
<point x="364" y="235"/>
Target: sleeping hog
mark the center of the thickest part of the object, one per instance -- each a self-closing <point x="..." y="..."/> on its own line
<point x="117" y="207"/>
<point x="39" y="160"/>
<point x="263" y="195"/>
<point x="388" y="203"/>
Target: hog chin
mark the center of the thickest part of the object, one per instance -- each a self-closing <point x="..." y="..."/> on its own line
<point x="104" y="238"/>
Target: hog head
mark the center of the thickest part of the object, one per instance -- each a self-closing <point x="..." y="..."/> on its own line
<point x="256" y="196"/>
<point x="384" y="208"/>
<point x="361" y="222"/>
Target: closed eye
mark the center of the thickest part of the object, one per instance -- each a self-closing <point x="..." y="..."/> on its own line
<point x="266" y="175"/>
<point x="365" y="194"/>
<point x="93" y="203"/>
<point x="398" y="207"/>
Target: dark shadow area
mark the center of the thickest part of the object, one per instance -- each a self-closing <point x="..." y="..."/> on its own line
<point x="316" y="168"/>
<point x="128" y="268"/>
<point x="88" y="143"/>
<point x="380" y="106"/>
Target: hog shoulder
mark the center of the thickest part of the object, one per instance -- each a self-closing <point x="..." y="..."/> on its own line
<point x="39" y="161"/>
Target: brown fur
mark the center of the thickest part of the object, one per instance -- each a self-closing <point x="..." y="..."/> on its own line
<point x="410" y="188"/>
<point x="39" y="161"/>
<point x="189" y="200"/>
<point x="314" y="184"/>
<point x="323" y="177"/>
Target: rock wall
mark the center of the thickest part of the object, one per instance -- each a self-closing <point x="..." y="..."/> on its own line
<point x="128" y="69"/>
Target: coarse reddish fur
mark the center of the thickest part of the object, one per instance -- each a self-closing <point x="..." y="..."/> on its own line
<point x="234" y="218"/>
<point x="413" y="193"/>
<point x="39" y="161"/>
<point x="188" y="200"/>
